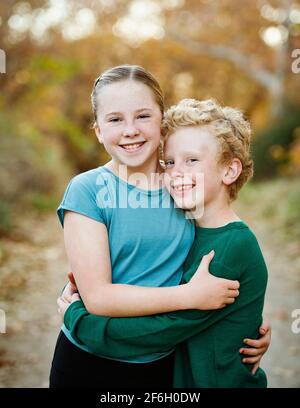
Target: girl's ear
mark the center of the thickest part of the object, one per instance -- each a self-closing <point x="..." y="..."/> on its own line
<point x="98" y="133"/>
<point x="232" y="172"/>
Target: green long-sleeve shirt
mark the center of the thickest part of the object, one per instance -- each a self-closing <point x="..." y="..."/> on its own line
<point x="208" y="342"/>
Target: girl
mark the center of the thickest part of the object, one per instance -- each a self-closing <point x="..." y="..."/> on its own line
<point x="124" y="262"/>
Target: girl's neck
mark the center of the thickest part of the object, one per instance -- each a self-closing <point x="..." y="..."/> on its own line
<point x="147" y="176"/>
<point x="216" y="214"/>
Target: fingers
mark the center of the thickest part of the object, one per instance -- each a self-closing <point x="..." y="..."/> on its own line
<point x="263" y="342"/>
<point x="233" y="284"/>
<point x="60" y="304"/>
<point x="205" y="261"/>
<point x="252" y="351"/>
<point x="69" y="290"/>
<point x="251" y="360"/>
<point x="265" y="327"/>
<point x="233" y="293"/>
<point x="62" y="301"/>
<point x="75" y="297"/>
<point x="67" y="293"/>
<point x="255" y="368"/>
<point x="71" y="278"/>
<point x="210" y="255"/>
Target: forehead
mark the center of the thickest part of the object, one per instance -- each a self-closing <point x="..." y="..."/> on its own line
<point x="124" y="95"/>
<point x="192" y="138"/>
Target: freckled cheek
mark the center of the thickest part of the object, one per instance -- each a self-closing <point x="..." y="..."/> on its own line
<point x="111" y="137"/>
<point x="152" y="129"/>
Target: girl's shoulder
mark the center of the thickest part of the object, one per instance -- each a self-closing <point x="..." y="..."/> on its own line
<point x="91" y="180"/>
<point x="81" y="196"/>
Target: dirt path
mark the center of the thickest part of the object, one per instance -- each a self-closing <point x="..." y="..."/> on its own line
<point x="282" y="361"/>
<point x="32" y="321"/>
<point x="31" y="313"/>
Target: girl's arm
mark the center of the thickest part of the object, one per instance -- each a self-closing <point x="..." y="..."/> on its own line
<point x="87" y="247"/>
<point x="136" y="336"/>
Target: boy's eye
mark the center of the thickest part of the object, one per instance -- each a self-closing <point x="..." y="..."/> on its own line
<point x="169" y="163"/>
<point x="192" y="160"/>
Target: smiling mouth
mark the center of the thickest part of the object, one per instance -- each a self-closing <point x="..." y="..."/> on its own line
<point x="183" y="187"/>
<point x="132" y="147"/>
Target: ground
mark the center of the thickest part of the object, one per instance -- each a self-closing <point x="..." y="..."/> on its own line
<point x="33" y="271"/>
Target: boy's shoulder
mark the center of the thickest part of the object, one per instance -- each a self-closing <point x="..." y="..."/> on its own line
<point x="245" y="235"/>
<point x="244" y="248"/>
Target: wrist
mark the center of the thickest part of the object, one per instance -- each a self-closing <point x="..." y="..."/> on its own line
<point x="69" y="312"/>
<point x="184" y="297"/>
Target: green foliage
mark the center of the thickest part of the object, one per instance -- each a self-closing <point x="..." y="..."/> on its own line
<point x="271" y="146"/>
<point x="43" y="202"/>
<point x="32" y="171"/>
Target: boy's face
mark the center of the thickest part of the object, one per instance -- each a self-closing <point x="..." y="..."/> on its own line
<point x="193" y="175"/>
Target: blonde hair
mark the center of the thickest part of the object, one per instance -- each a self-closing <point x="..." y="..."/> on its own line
<point x="230" y="127"/>
<point x="122" y="73"/>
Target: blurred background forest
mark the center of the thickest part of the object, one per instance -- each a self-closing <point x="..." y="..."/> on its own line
<point x="241" y="52"/>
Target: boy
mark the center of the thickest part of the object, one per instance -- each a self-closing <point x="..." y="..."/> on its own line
<point x="204" y="141"/>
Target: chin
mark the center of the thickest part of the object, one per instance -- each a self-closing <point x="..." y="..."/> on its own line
<point x="184" y="204"/>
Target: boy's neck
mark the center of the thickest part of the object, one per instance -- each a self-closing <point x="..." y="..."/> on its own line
<point x="217" y="214"/>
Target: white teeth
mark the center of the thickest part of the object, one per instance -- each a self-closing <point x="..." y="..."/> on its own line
<point x="132" y="146"/>
<point x="183" y="187"/>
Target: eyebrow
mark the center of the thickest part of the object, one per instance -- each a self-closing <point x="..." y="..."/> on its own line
<point x="192" y="153"/>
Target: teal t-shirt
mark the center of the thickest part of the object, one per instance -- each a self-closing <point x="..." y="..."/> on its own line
<point x="149" y="238"/>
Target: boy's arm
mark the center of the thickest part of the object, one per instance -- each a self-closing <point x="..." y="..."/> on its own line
<point x="135" y="336"/>
<point x="87" y="246"/>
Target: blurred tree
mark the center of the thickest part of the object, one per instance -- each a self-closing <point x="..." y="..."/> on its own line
<point x="235" y="51"/>
<point x="240" y="32"/>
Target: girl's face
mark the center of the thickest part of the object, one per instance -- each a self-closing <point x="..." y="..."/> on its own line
<point x="193" y="175"/>
<point x="129" y="123"/>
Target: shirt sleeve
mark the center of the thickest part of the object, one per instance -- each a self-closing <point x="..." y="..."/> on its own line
<point x="129" y="337"/>
<point x="80" y="197"/>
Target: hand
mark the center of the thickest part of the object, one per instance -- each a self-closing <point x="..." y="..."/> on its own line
<point x="257" y="347"/>
<point x="70" y="288"/>
<point x="207" y="292"/>
<point x="72" y="279"/>
<point x="63" y="304"/>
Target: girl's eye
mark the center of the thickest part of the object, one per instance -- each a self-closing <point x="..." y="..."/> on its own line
<point x="192" y="160"/>
<point x="143" y="116"/>
<point x="114" y="120"/>
<point x="169" y="163"/>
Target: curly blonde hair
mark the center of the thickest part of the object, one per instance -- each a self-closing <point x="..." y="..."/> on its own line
<point x="229" y="126"/>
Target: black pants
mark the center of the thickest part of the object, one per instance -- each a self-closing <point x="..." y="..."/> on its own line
<point x="73" y="367"/>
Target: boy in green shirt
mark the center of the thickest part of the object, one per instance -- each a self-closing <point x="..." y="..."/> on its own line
<point x="207" y="160"/>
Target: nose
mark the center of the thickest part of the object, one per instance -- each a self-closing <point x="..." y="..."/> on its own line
<point x="130" y="130"/>
<point x="177" y="170"/>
